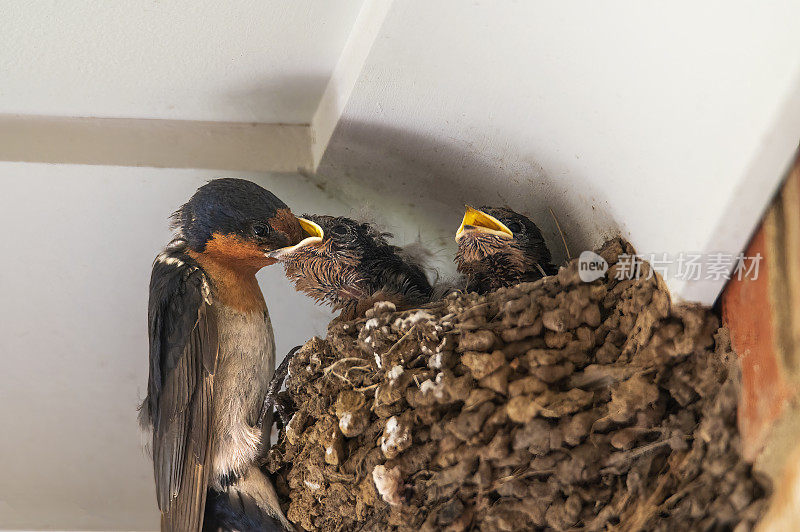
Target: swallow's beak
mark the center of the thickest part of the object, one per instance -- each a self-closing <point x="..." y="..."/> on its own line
<point x="475" y="220"/>
<point x="314" y="232"/>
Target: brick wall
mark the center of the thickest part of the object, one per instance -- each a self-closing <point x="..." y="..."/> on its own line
<point x="763" y="315"/>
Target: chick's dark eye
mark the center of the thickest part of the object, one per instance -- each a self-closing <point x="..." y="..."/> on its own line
<point x="339" y="230"/>
<point x="261" y="230"/>
<point x="514" y="227"/>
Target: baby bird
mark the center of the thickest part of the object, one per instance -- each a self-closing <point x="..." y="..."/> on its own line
<point x="350" y="266"/>
<point x="498" y="247"/>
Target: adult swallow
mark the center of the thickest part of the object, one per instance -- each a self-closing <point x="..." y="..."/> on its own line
<point x="498" y="247"/>
<point x="212" y="355"/>
<point x="350" y="265"/>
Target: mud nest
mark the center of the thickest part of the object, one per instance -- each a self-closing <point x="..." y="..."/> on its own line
<point x="556" y="405"/>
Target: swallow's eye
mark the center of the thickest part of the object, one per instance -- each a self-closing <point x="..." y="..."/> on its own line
<point x="514" y="227"/>
<point x="261" y="230"/>
<point x="339" y="230"/>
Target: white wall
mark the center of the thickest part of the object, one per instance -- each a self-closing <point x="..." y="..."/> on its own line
<point x="668" y="122"/>
<point x="78" y="243"/>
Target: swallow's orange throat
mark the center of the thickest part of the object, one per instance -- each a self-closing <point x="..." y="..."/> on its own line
<point x="237" y="252"/>
<point x="232" y="263"/>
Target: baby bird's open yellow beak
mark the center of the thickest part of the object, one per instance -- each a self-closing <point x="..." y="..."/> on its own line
<point x="475" y="220"/>
<point x="315" y="233"/>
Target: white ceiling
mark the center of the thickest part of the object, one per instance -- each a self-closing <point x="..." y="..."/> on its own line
<point x="235" y="61"/>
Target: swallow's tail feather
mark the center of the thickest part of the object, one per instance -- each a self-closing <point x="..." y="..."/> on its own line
<point x="248" y="505"/>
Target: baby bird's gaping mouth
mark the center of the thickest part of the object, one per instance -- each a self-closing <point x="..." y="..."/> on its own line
<point x="315" y="236"/>
<point x="475" y="220"/>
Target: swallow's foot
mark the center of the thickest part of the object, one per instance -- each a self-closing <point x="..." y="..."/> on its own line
<point x="285" y="408"/>
<point x="275" y="385"/>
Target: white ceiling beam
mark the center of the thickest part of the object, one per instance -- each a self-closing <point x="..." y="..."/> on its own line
<point x="345" y="74"/>
<point x="236" y="146"/>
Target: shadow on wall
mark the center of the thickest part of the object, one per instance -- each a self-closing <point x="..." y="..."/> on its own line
<point x="428" y="180"/>
<point x="299" y="93"/>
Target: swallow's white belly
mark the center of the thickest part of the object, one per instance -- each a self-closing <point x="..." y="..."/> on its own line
<point x="245" y="366"/>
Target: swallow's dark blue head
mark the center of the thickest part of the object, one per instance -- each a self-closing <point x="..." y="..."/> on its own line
<point x="236" y="218"/>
